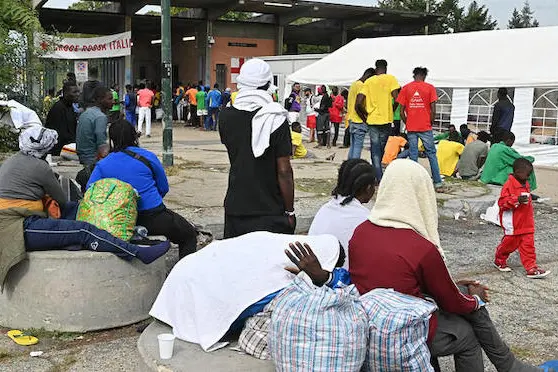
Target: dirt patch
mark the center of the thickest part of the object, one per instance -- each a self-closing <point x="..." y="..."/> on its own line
<point x="320" y="186"/>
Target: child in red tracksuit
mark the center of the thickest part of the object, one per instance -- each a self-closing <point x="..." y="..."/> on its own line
<point x="518" y="220"/>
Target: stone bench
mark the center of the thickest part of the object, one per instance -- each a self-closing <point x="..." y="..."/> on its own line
<point x="190" y="357"/>
<point x="79" y="291"/>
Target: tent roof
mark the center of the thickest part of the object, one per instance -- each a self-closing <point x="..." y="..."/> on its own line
<point x="482" y="59"/>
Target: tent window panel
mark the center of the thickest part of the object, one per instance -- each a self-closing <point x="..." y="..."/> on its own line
<point x="545" y="117"/>
<point x="481" y="107"/>
<point x="443" y="110"/>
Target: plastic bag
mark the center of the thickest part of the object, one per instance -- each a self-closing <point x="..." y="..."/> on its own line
<point x="318" y="329"/>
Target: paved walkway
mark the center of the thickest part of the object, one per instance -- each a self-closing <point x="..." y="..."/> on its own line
<point x="524" y="310"/>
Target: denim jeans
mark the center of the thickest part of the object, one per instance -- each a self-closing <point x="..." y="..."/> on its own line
<point x="44" y="234"/>
<point x="358" y="133"/>
<point x="378" y="139"/>
<point x="430" y="149"/>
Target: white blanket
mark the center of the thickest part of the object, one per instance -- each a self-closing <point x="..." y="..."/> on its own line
<point x="339" y="221"/>
<point x="206" y="291"/>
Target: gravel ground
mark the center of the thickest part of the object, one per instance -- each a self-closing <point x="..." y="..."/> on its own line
<point x="524" y="310"/>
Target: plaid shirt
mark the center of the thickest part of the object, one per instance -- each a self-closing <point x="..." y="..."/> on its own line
<point x="253" y="339"/>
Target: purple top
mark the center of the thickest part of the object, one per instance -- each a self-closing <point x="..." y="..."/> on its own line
<point x="295" y="107"/>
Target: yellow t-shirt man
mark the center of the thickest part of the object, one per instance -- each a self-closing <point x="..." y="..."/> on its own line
<point x="379" y="101"/>
<point x="300" y="151"/>
<point x="233" y="97"/>
<point x="354" y="90"/>
<point x="448" y="153"/>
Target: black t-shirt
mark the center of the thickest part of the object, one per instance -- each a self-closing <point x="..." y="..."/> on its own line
<point x="253" y="187"/>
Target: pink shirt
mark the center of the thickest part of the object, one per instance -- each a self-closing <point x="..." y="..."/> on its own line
<point x="145" y="96"/>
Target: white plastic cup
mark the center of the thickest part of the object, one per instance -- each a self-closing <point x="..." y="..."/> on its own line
<point x="166" y="345"/>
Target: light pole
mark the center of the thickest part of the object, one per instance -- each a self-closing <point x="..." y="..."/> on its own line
<point x="166" y="73"/>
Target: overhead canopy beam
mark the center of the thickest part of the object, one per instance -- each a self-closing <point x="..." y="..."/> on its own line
<point x="214" y="14"/>
<point x="131" y="7"/>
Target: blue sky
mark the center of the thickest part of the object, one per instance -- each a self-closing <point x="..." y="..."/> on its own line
<point x="546" y="11"/>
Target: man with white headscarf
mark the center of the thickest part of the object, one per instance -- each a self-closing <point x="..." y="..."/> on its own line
<point x="255" y="130"/>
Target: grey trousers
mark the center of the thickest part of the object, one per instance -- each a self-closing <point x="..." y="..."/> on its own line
<point x="465" y="336"/>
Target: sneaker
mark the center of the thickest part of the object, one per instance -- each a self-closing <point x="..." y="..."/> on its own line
<point x="537" y="273"/>
<point x="503" y="267"/>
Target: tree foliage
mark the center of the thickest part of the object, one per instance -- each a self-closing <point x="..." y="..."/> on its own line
<point x="454" y="18"/>
<point x="88" y="5"/>
<point x="524" y="18"/>
<point x="18" y="22"/>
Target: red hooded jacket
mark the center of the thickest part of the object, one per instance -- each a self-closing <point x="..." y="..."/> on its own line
<point x="516" y="218"/>
<point x="336" y="110"/>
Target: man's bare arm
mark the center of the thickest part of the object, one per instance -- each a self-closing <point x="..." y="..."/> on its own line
<point x="360" y="107"/>
<point x="286" y="181"/>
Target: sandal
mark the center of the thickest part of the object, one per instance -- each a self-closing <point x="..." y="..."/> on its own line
<point x="21" y="338"/>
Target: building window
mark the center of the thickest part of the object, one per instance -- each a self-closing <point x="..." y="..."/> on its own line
<point x="481" y="107"/>
<point x="443" y="110"/>
<point x="545" y="117"/>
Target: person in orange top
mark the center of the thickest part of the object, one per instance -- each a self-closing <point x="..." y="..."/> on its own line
<point x="393" y="148"/>
<point x="191" y="95"/>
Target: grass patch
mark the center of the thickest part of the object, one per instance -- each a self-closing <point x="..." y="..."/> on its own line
<point x="55" y="335"/>
<point x="315" y="185"/>
<point x="522" y="353"/>
<point x="5" y="354"/>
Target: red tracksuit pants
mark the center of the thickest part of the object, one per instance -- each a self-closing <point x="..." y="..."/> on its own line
<point x="526" y="245"/>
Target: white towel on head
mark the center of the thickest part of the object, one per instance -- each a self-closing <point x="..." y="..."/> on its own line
<point x="206" y="291"/>
<point x="406" y="200"/>
<point x="37" y="141"/>
<point x="256" y="73"/>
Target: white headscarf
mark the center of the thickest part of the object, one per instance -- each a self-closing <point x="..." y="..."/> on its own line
<point x="37" y="141"/>
<point x="257" y="73"/>
<point x="407" y="200"/>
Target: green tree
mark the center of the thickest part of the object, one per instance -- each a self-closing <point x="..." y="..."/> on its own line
<point x="477" y="19"/>
<point x="515" y="20"/>
<point x="88" y="5"/>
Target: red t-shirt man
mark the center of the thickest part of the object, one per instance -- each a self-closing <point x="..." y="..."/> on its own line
<point x="416" y="99"/>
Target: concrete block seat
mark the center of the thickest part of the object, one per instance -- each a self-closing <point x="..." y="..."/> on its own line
<point x="191" y="357"/>
<point x="79" y="291"/>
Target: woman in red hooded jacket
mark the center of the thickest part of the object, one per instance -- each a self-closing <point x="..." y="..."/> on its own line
<point x="336" y="112"/>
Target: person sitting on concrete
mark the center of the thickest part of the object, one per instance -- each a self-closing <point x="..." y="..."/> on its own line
<point x="227" y="290"/>
<point x="499" y="162"/>
<point x="142" y="169"/>
<point x="345" y="211"/>
<point x="26" y="180"/>
<point x="299" y="150"/>
<point x="448" y="153"/>
<point x="92" y="126"/>
<point x="400" y="248"/>
<point x="473" y="157"/>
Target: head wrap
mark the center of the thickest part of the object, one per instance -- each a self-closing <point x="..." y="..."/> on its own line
<point x="254" y="73"/>
<point x="407" y="200"/>
<point x="37" y="141"/>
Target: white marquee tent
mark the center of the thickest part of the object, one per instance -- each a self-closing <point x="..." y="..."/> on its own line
<point x="468" y="67"/>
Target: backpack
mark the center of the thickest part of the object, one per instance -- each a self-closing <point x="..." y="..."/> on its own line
<point x="288" y="102"/>
<point x="110" y="205"/>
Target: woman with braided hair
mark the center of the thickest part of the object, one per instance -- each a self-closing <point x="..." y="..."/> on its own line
<point x="345" y="211"/>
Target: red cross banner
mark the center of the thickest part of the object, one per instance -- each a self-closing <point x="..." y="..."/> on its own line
<point x="236" y="64"/>
<point x="117" y="45"/>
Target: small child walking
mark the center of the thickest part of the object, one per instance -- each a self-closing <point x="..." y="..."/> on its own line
<point x="518" y="221"/>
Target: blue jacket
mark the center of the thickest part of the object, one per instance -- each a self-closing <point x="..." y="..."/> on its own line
<point x="130" y="102"/>
<point x="214" y="99"/>
<point x="152" y="188"/>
